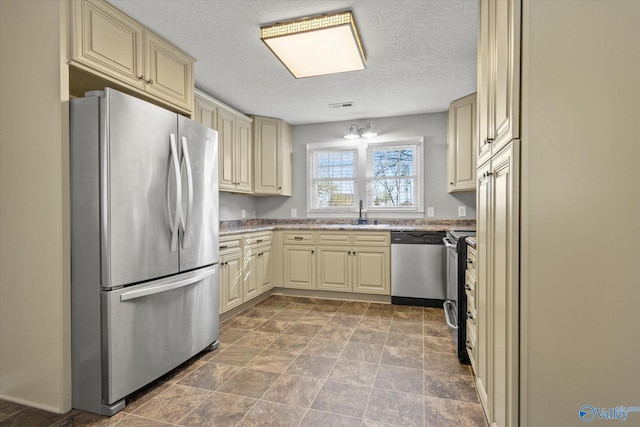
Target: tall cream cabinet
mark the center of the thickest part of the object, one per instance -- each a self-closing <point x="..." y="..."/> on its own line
<point x="498" y="184"/>
<point x="498" y="76"/>
<point x="235" y="146"/>
<point x="461" y="144"/>
<point x="272" y="153"/>
<point x="108" y="44"/>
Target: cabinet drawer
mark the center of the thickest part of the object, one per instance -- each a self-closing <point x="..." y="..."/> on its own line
<point x="299" y="238"/>
<point x="371" y="238"/>
<point x="258" y="238"/>
<point x="334" y="238"/>
<point x="230" y="243"/>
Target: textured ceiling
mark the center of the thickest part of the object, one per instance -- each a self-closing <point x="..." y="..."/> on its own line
<point x="421" y="55"/>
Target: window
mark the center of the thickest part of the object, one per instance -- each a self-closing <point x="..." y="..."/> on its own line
<point x="386" y="176"/>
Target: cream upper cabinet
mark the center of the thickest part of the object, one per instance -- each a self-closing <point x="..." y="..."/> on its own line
<point x="461" y="144"/>
<point x="243" y="156"/>
<point x="498" y="76"/>
<point x="205" y="110"/>
<point x="272" y="147"/>
<point x="109" y="44"/>
<point x="234" y="152"/>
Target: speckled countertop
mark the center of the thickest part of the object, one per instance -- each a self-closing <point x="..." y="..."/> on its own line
<point x="251" y="226"/>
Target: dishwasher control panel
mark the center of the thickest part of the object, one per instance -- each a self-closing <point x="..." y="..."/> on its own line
<point x="417" y="237"/>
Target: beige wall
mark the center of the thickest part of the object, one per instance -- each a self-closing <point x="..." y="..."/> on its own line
<point x="34" y="199"/>
<point x="581" y="209"/>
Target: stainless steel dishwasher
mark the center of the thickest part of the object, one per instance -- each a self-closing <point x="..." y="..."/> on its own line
<point x="418" y="268"/>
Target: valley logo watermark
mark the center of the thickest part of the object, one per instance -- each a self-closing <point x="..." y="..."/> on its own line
<point x="589" y="413"/>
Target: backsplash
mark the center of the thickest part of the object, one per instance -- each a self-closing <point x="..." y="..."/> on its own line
<point x="400" y="222"/>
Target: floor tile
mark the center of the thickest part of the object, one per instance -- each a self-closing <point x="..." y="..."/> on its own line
<point x="346" y="322"/>
<point x="453" y="413"/>
<point x="295" y="343"/>
<point x="230" y="335"/>
<point x="80" y="418"/>
<point x="325" y="347"/>
<point x="237" y="355"/>
<point x="319" y="319"/>
<point x="368" y="336"/>
<point x="258" y="339"/>
<point x="378" y="314"/>
<point x="272" y="414"/>
<point x="142" y="396"/>
<point x="405" y="341"/>
<point x="440" y="344"/>
<point x="245" y="323"/>
<point x="288" y="316"/>
<point x="173" y="403"/>
<point x="383" y="306"/>
<point x="8" y="409"/>
<point x="249" y="383"/>
<point x="136" y="421"/>
<point x="354" y="372"/>
<point x="311" y="366"/>
<point x="342" y="333"/>
<point x="407" y="327"/>
<point x="33" y="418"/>
<point x="444" y="362"/>
<point x="403" y="314"/>
<point x="396" y="408"/>
<point x="381" y="325"/>
<point x="303" y="329"/>
<point x="343" y="399"/>
<point x="399" y="379"/>
<point x="219" y="410"/>
<point x="432" y="313"/>
<point x="436" y="329"/>
<point x="362" y="352"/>
<point x="294" y="390"/>
<point x="325" y="419"/>
<point x="259" y="313"/>
<point x="210" y="376"/>
<point x="274" y="326"/>
<point x="272" y="361"/>
<point x="450" y="386"/>
<point x="404" y="357"/>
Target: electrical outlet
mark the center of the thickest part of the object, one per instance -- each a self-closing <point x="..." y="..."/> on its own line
<point x="431" y="212"/>
<point x="462" y="211"/>
<point x="294" y="213"/>
<point x="243" y="213"/>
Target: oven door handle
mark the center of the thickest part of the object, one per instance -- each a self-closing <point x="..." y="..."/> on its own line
<point x="448" y="243"/>
<point x="448" y="304"/>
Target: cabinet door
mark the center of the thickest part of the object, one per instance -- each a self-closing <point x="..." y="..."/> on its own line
<point x="168" y="72"/>
<point x="483" y="297"/>
<point x="334" y="268"/>
<point x="205" y="113"/>
<point x="504" y="244"/>
<point x="243" y="152"/>
<point x="299" y="267"/>
<point x="505" y="44"/>
<point x="371" y="270"/>
<point x="226" y="143"/>
<point x="231" y="281"/>
<point x="251" y="272"/>
<point x="484" y="94"/>
<point x="462" y="135"/>
<point x="266" y="137"/>
<point x="108" y="41"/>
<point x="265" y="281"/>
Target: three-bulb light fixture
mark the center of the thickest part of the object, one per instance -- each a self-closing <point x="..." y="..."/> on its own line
<point x="365" y="132"/>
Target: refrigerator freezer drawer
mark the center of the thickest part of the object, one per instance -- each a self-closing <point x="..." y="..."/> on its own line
<point x="151" y="328"/>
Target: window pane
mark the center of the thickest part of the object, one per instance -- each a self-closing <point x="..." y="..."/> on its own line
<point x="393" y="192"/>
<point x="334" y="194"/>
<point x="393" y="162"/>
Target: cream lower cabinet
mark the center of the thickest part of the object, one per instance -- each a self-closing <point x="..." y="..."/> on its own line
<point x="108" y="44"/>
<point x="498" y="285"/>
<point x="257" y="266"/>
<point x="299" y="267"/>
<point x="356" y="262"/>
<point x="231" y="280"/>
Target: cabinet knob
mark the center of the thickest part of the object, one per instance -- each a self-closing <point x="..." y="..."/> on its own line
<point x="488" y="140"/>
<point x="470" y="315"/>
<point x="467" y="287"/>
<point x="149" y="82"/>
<point x="469" y="346"/>
<point x="279" y="188"/>
<point x="140" y="77"/>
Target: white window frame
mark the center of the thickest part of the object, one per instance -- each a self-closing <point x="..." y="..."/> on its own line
<point x="363" y="181"/>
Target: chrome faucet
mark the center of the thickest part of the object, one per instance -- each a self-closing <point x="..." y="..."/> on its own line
<point x="361" y="220"/>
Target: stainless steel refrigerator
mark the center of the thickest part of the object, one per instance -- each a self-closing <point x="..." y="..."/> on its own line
<point x="144" y="236"/>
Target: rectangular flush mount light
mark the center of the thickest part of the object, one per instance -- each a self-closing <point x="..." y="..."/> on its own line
<point x="324" y="44"/>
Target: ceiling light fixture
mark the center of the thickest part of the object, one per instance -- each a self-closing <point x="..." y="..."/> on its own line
<point x="315" y="46"/>
<point x="365" y="132"/>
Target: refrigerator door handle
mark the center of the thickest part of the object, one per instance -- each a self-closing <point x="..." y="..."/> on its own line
<point x="174" y="225"/>
<point x="164" y="287"/>
<point x="186" y="219"/>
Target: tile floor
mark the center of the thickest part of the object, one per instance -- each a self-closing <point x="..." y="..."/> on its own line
<point x="304" y="362"/>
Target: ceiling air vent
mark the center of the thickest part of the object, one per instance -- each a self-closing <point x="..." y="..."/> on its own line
<point x="341" y="104"/>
